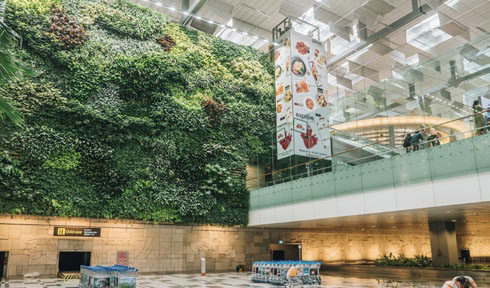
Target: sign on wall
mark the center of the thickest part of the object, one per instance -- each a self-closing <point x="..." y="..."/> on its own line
<point x="76" y="232"/>
<point x="122" y="258"/>
<point x="301" y="98"/>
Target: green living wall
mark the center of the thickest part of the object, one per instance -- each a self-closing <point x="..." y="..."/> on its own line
<point x="131" y="116"/>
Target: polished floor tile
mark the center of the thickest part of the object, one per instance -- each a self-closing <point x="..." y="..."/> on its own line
<point x="228" y="280"/>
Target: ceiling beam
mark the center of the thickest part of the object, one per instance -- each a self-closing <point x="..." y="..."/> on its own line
<point x="194" y="9"/>
<point x="416" y="13"/>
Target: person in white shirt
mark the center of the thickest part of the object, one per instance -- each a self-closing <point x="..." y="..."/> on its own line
<point x="460" y="282"/>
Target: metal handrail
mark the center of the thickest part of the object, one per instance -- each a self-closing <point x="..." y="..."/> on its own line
<point x="378" y="142"/>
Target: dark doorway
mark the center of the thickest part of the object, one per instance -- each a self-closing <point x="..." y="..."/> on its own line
<point x="277" y="255"/>
<point x="3" y="264"/>
<point x="465" y="256"/>
<point x="71" y="261"/>
<point x="285" y="252"/>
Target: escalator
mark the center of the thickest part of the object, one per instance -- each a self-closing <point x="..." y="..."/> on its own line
<point x="352" y="149"/>
<point x="347" y="149"/>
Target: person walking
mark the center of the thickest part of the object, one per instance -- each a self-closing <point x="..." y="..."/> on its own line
<point x="479" y="118"/>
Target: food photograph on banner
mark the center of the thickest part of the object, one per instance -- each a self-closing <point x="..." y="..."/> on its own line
<point x="301" y="98"/>
<point x="284" y="98"/>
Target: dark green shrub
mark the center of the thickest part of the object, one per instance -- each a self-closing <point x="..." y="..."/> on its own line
<point x="423" y="262"/>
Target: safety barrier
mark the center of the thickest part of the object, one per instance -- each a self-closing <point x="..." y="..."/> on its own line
<point x="116" y="276"/>
<point x="276" y="272"/>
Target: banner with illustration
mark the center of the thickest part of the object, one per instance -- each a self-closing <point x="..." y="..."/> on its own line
<point x="284" y="98"/>
<point x="305" y="131"/>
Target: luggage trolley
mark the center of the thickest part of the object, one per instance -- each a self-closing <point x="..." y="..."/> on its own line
<point x="289" y="273"/>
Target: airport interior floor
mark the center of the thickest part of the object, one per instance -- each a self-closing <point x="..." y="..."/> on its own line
<point x="228" y="280"/>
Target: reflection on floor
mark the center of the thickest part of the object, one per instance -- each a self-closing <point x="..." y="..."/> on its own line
<point x="219" y="280"/>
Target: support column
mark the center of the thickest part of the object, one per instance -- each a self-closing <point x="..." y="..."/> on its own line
<point x="391" y="134"/>
<point x="443" y="243"/>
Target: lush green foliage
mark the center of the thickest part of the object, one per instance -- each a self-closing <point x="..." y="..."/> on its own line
<point x="9" y="67"/>
<point x="402" y="261"/>
<point x="423" y="261"/>
<point x="131" y="116"/>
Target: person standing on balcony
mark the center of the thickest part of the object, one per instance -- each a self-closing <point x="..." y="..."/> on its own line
<point x="415" y="141"/>
<point x="407" y="142"/>
<point x="433" y="137"/>
<point x="487" y="116"/>
<point x="478" y="118"/>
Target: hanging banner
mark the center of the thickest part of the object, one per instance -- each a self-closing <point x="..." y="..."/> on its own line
<point x="284" y="98"/>
<point x="301" y="85"/>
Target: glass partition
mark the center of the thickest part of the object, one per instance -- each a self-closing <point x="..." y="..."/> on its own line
<point x="369" y="126"/>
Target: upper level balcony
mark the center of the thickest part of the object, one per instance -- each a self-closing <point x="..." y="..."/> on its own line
<point x="369" y="170"/>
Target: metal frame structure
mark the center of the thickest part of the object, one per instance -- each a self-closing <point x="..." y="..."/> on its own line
<point x="287" y="24"/>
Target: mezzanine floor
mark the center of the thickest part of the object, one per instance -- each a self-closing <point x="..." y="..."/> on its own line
<point x="218" y="280"/>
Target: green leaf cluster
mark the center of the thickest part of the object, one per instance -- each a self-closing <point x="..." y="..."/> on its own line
<point x="423" y="261"/>
<point x="120" y="126"/>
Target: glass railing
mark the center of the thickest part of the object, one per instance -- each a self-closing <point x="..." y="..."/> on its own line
<point x="431" y="161"/>
<point x="369" y="125"/>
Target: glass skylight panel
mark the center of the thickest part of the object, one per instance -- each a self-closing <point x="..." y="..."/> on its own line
<point x="340" y="45"/>
<point x="426" y="34"/>
<point x="452" y="3"/>
<point x="470" y="66"/>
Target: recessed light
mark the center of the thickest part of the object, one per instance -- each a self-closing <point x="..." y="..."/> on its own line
<point x="448" y="211"/>
<point x="454" y="220"/>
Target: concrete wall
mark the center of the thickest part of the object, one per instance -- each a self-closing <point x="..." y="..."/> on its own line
<point x="354" y="246"/>
<point x="176" y="248"/>
<point x="152" y="248"/>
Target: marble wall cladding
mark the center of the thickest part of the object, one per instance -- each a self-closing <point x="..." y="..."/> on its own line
<point x="176" y="248"/>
